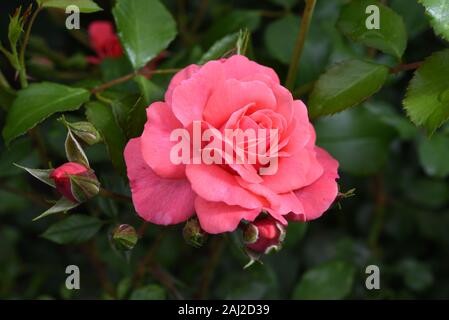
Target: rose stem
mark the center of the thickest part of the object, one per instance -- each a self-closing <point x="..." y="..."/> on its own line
<point x="216" y="251"/>
<point x="130" y="76"/>
<point x="299" y="44"/>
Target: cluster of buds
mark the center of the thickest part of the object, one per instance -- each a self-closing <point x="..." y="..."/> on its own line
<point x="74" y="180"/>
<point x="262" y="236"/>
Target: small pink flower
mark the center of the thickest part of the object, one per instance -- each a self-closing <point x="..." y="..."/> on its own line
<point x="61" y="177"/>
<point x="264" y="235"/>
<point x="233" y="93"/>
<point x="103" y="41"/>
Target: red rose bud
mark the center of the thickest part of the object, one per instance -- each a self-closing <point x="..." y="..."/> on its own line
<point x="75" y="182"/>
<point x="104" y="41"/>
<point x="264" y="235"/>
<point x="124" y="237"/>
<point x="193" y="234"/>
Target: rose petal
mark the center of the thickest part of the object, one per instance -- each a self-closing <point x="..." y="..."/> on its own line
<point x="239" y="67"/>
<point x="158" y="200"/>
<point x="294" y="172"/>
<point x="190" y="96"/>
<point x="213" y="183"/>
<point x="218" y="217"/>
<point x="302" y="132"/>
<point x="156" y="144"/>
<point x="279" y="204"/>
<point x="234" y="95"/>
<point x="182" y="75"/>
<point x="283" y="96"/>
<point x="319" y="196"/>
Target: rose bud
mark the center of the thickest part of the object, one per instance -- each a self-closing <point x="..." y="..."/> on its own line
<point x="193" y="234"/>
<point x="263" y="235"/>
<point x="124" y="237"/>
<point x="85" y="131"/>
<point x="75" y="182"/>
<point x="104" y="41"/>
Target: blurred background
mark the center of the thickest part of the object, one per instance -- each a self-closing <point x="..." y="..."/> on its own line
<point x="397" y="220"/>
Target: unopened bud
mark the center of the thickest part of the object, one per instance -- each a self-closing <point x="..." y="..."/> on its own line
<point x="85" y="131"/>
<point x="84" y="187"/>
<point x="75" y="182"/>
<point x="193" y="234"/>
<point x="264" y="235"/>
<point x="124" y="237"/>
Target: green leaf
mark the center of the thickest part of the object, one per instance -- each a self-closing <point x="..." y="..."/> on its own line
<point x="85" y="6"/>
<point x="41" y="174"/>
<point x="62" y="205"/>
<point x="232" y="22"/>
<point x="427" y="99"/>
<point x="115" y="68"/>
<point x="280" y="36"/>
<point x="438" y="12"/>
<point x="150" y="91"/>
<point x="391" y="37"/>
<point x="413" y="15"/>
<point x="121" y="104"/>
<point x="102" y="117"/>
<point x="256" y="283"/>
<point x="285" y="3"/>
<point x="357" y="138"/>
<point x="145" y="28"/>
<point x="417" y="275"/>
<point x="7" y="97"/>
<point x="17" y="152"/>
<point x="425" y="192"/>
<point x="74" y="229"/>
<point x="434" y="154"/>
<point x="136" y="119"/>
<point x="295" y="232"/>
<point x="149" y="292"/>
<point x="120" y="109"/>
<point x="123" y="287"/>
<point x="345" y="85"/>
<point x="331" y="280"/>
<point x="219" y="48"/>
<point x="39" y="101"/>
<point x="390" y="116"/>
<point x="136" y="116"/>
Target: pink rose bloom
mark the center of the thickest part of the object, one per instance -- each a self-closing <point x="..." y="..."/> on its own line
<point x="229" y="93"/>
<point x="103" y="41"/>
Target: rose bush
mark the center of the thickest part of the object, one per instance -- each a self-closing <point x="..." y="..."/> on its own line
<point x="65" y="196"/>
<point x="229" y="93"/>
